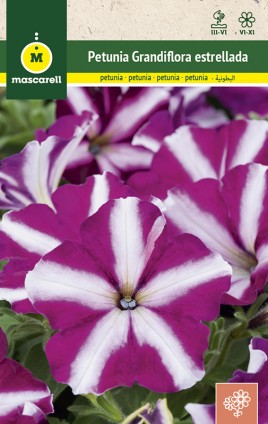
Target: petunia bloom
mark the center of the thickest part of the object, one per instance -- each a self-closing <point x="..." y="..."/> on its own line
<point x="257" y="372"/>
<point x="32" y="175"/>
<point x="231" y="219"/>
<point x="126" y="302"/>
<point x="120" y="115"/>
<point x="194" y="153"/>
<point x="30" y="233"/>
<point x="24" y="399"/>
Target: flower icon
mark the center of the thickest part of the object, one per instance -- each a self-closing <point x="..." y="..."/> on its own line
<point x="239" y="400"/>
<point x="246" y="19"/>
<point x="228" y="403"/>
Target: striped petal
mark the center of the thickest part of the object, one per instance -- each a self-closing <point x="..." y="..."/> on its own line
<point x="185" y="276"/>
<point x="204" y="209"/>
<point x="152" y="134"/>
<point x="245" y="189"/>
<point x="124" y="157"/>
<point x="19" y="389"/>
<point x="192" y="154"/>
<point x="124" y="232"/>
<point x="32" y="175"/>
<point x="200" y="210"/>
<point x="247" y="142"/>
<point x="78" y="284"/>
<point x="79" y="101"/>
<point x="133" y="110"/>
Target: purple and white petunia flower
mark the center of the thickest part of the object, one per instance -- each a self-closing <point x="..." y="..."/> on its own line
<point x="24" y="399"/>
<point x="30" y="233"/>
<point x="231" y="218"/>
<point x="257" y="372"/>
<point x="194" y="153"/>
<point x="32" y="175"/>
<point x="120" y="115"/>
<point x="126" y="302"/>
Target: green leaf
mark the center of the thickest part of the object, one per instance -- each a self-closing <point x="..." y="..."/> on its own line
<point x="131" y="399"/>
<point x="200" y="393"/>
<point x="254" y="308"/>
<point x="37" y="363"/>
<point x="96" y="420"/>
<point x="19" y="119"/>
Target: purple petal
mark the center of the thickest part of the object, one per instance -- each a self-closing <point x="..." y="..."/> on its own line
<point x="79" y="100"/>
<point x="32" y="175"/>
<point x="152" y="134"/>
<point x="245" y="191"/>
<point x="124" y="233"/>
<point x="190" y="106"/>
<point x="124" y="157"/>
<point x="192" y="154"/>
<point x="200" y="209"/>
<point x="247" y="142"/>
<point x="148" y="183"/>
<point x="243" y="100"/>
<point x="18" y="389"/>
<point x="137" y="106"/>
<point x="74" y="203"/>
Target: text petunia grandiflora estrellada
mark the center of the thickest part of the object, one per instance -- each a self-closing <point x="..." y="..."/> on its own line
<point x="194" y="153"/>
<point x="28" y="234"/>
<point x="121" y="113"/>
<point x="126" y="302"/>
<point x="231" y="218"/>
<point x="24" y="399"/>
<point x="257" y="372"/>
<point x="32" y="175"/>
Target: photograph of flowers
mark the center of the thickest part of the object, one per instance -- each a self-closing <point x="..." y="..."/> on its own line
<point x="134" y="254"/>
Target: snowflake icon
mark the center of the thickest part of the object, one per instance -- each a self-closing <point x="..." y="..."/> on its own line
<point x="238" y="401"/>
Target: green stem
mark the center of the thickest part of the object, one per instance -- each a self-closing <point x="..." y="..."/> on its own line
<point x="234" y="332"/>
<point x="108" y="404"/>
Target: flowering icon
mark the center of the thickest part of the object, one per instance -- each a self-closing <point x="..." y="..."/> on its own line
<point x="246" y="19"/>
<point x="238" y="401"/>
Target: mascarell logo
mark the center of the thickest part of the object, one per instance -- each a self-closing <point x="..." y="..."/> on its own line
<point x="36" y="57"/>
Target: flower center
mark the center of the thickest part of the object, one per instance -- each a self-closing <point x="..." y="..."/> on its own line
<point x="127" y="303"/>
<point x="97" y="143"/>
<point x="94" y="149"/>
